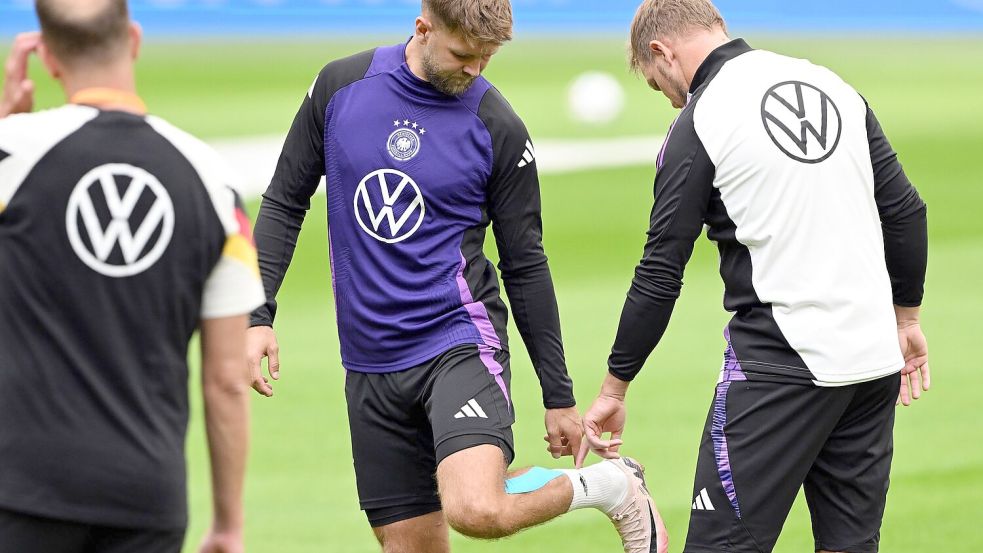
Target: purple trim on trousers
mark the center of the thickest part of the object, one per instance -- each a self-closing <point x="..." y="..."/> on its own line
<point x="479" y="317"/>
<point x="732" y="367"/>
<point x="720" y="450"/>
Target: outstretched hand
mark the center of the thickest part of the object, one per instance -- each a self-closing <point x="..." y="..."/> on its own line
<point x="18" y="89"/>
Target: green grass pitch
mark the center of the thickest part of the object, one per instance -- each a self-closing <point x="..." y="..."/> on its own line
<point x="301" y="493"/>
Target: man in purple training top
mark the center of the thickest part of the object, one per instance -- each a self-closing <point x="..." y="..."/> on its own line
<point x="421" y="154"/>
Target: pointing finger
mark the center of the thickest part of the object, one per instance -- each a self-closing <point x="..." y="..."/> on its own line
<point x="574" y="443"/>
<point x="578" y="461"/>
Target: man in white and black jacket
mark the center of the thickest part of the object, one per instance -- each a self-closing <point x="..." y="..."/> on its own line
<point x="823" y="250"/>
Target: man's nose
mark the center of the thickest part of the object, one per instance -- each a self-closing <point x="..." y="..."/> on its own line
<point x="473" y="69"/>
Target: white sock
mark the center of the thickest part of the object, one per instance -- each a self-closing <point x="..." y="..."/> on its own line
<point x="602" y="486"/>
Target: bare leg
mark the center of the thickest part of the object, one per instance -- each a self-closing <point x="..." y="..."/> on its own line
<point x="423" y="534"/>
<point x="472" y="492"/>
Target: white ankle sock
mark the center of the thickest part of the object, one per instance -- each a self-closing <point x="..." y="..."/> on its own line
<point x="602" y="486"/>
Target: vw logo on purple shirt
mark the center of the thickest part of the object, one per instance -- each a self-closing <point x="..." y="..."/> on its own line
<point x="389" y="205"/>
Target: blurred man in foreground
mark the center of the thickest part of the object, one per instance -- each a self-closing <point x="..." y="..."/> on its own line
<point x="119" y="236"/>
<point x="422" y="154"/>
<point x="823" y="248"/>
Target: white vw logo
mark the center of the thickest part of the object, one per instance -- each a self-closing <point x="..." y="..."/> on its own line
<point x="802" y="121"/>
<point x="117" y="189"/>
<point x="396" y="190"/>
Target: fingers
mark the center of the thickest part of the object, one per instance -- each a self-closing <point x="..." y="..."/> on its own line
<point x="260" y="343"/>
<point x="24" y="45"/>
<point x="18" y="90"/>
<point x="914" y="363"/>
<point x="258" y="381"/>
<point x="616" y="441"/>
<point x="563" y="446"/>
<point x="904" y="395"/>
<point x="558" y="446"/>
<point x="608" y="449"/>
<point x="607" y="453"/>
<point x="262" y="385"/>
<point x="578" y="461"/>
<point x="563" y="433"/>
<point x="915" y="379"/>
<point x="591" y="434"/>
<point x="576" y="441"/>
<point x="273" y="355"/>
<point x="915" y="384"/>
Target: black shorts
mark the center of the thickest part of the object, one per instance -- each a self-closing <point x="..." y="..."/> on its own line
<point x="22" y="533"/>
<point x="763" y="440"/>
<point x="404" y="424"/>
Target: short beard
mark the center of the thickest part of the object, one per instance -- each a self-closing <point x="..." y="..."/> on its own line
<point x="447" y="83"/>
<point x="677" y="87"/>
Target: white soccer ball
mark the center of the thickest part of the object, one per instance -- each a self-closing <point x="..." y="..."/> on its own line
<point x="595" y="98"/>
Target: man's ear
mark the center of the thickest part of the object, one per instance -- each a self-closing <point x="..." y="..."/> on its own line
<point x="136" y="39"/>
<point x="662" y="50"/>
<point x="423" y="28"/>
<point x="48" y="60"/>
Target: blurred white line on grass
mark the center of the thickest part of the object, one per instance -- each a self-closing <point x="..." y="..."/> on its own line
<point x="254" y="159"/>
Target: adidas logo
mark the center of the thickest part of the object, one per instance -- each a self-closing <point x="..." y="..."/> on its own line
<point x="702" y="502"/>
<point x="472" y="410"/>
<point x="528" y="156"/>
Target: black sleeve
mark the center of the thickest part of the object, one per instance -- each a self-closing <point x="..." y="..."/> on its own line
<point x="298" y="172"/>
<point x="904" y="220"/>
<point x="682" y="194"/>
<point x="515" y="208"/>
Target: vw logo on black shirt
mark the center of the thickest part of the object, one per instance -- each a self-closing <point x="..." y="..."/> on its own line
<point x="120" y="220"/>
<point x="802" y="121"/>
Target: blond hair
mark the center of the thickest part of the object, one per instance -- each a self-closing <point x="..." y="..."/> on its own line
<point x="95" y="31"/>
<point x="659" y="19"/>
<point x="477" y="20"/>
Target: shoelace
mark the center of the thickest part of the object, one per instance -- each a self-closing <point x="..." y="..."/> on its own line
<point x="634" y="526"/>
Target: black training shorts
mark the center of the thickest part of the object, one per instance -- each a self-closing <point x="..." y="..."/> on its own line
<point x="404" y="424"/>
<point x="765" y="440"/>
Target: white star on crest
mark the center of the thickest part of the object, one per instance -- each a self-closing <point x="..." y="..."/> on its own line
<point x="395" y="123"/>
<point x="415" y="125"/>
<point x="423" y="131"/>
<point x="406" y="122"/>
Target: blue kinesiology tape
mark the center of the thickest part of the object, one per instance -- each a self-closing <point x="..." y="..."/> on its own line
<point x="530" y="481"/>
